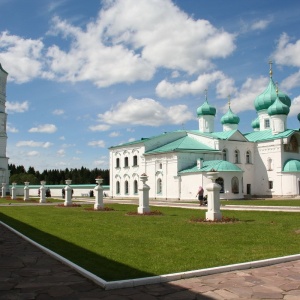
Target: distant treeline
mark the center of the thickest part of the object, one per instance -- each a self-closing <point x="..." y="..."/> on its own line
<point x="83" y="175"/>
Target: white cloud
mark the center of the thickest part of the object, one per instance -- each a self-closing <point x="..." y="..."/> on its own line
<point x="295" y="106"/>
<point x="291" y="81"/>
<point x="224" y="86"/>
<point x="33" y="153"/>
<point x="34" y="144"/>
<point x="287" y="53"/>
<point x="121" y="45"/>
<point x="22" y="57"/>
<point x="145" y="112"/>
<point x="46" y="128"/>
<point x="100" y="144"/>
<point x="100" y="127"/>
<point x="16" y="107"/>
<point x="58" y="112"/>
<point x="62" y="138"/>
<point x="130" y="35"/>
<point x="245" y="97"/>
<point x="260" y="25"/>
<point x="61" y="152"/>
<point x="114" y="134"/>
<point x="11" y="129"/>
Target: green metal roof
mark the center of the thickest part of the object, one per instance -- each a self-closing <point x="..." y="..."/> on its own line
<point x="292" y="165"/>
<point x="255" y="123"/>
<point x="278" y="108"/>
<point x="230" y="118"/>
<point x="182" y="144"/>
<point x="222" y="135"/>
<point x="205" y="109"/>
<point x="268" y="97"/>
<point x="266" y="135"/>
<point x="217" y="165"/>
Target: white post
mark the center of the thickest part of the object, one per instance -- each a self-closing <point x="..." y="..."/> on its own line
<point x="43" y="192"/>
<point x="26" y="191"/>
<point x="68" y="192"/>
<point x="3" y="190"/>
<point x="213" y="198"/>
<point x="98" y="194"/>
<point x="144" y="195"/>
<point x="13" y="191"/>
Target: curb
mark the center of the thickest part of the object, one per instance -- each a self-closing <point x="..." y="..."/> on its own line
<point x="109" y="285"/>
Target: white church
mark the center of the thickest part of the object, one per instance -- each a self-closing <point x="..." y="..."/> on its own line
<point x="262" y="163"/>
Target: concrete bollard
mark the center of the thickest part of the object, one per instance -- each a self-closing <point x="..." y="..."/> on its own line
<point x="213" y="198"/>
<point x="13" y="191"/>
<point x="26" y="191"/>
<point x="98" y="194"/>
<point x="68" y="193"/>
<point x="144" y="195"/>
<point x="43" y="192"/>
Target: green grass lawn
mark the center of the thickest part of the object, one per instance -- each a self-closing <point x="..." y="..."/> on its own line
<point x="115" y="246"/>
<point x="8" y="200"/>
<point x="285" y="202"/>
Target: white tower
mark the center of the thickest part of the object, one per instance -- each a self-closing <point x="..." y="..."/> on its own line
<point x="4" y="173"/>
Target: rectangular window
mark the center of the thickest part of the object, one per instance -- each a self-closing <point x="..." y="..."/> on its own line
<point x="267" y="123"/>
<point x="118" y="163"/>
<point x="126" y="162"/>
<point x="270" y="185"/>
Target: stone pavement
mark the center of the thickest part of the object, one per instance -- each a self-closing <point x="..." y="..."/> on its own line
<point x="26" y="272"/>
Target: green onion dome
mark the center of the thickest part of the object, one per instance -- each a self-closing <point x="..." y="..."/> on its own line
<point x="255" y="124"/>
<point x="206" y="110"/>
<point x="230" y="118"/>
<point x="278" y="108"/>
<point x="268" y="97"/>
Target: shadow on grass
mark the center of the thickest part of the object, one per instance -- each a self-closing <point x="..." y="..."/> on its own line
<point x="103" y="267"/>
<point x="99" y="262"/>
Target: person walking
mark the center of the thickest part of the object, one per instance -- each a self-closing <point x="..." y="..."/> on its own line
<point x="200" y="195"/>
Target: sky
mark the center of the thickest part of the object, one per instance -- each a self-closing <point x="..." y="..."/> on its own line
<point x="88" y="75"/>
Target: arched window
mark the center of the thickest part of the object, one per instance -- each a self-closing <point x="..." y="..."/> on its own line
<point x="126" y="162"/>
<point x="220" y="181"/>
<point x="159" y="186"/>
<point x="135" y="161"/>
<point x="248" y="157"/>
<point x="235" y="185"/>
<point x="126" y="188"/>
<point x="118" y="163"/>
<point x="224" y="154"/>
<point x="135" y="187"/>
<point x="118" y="187"/>
<point x="270" y="164"/>
<point x="236" y="157"/>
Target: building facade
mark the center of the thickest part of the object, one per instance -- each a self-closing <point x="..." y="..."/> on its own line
<point x="262" y="163"/>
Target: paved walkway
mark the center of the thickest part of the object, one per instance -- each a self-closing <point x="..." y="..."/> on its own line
<point x="26" y="272"/>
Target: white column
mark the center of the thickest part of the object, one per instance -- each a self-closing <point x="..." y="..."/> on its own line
<point x="213" y="198"/>
<point x="26" y="191"/>
<point x="13" y="191"/>
<point x="144" y="195"/>
<point x="43" y="192"/>
<point x="3" y="190"/>
<point x="68" y="192"/>
<point x="98" y="194"/>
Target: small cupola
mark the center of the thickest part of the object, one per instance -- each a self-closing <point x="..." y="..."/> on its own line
<point x="255" y="124"/>
<point x="206" y="116"/>
<point x="230" y="120"/>
<point x="278" y="112"/>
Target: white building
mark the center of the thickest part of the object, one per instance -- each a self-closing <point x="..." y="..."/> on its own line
<point x="4" y="172"/>
<point x="263" y="163"/>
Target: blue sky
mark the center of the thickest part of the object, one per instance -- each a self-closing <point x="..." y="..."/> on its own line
<point x="87" y="75"/>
